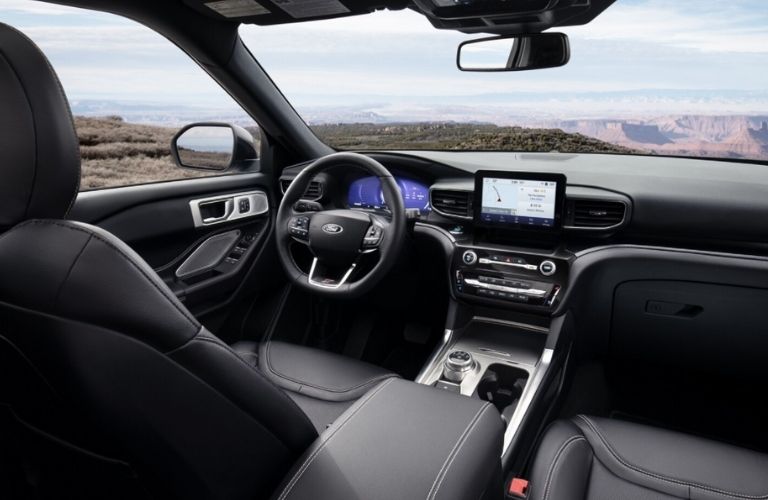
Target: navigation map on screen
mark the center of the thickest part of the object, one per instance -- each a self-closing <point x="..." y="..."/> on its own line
<point x="518" y="202"/>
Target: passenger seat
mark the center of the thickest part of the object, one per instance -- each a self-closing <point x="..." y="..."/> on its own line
<point x="603" y="459"/>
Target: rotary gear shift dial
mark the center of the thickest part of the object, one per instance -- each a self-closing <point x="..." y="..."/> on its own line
<point x="457" y="365"/>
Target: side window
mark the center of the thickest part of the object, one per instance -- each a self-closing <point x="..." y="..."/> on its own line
<point x="130" y="91"/>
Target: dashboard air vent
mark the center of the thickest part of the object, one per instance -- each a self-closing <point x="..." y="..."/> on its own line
<point x="452" y="203"/>
<point x="314" y="190"/>
<point x="597" y="214"/>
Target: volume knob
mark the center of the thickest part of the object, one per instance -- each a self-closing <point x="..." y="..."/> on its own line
<point x="547" y="268"/>
<point x="469" y="257"/>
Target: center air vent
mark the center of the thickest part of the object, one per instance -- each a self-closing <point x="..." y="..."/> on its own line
<point x="595" y="214"/>
<point x="452" y="203"/>
<point x="313" y="192"/>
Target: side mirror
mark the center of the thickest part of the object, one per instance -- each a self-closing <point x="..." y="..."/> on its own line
<point x="214" y="146"/>
<point x="514" y="53"/>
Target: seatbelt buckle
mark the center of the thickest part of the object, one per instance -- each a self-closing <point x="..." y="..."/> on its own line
<point x="518" y="488"/>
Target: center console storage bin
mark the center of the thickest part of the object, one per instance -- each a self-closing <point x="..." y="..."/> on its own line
<point x="401" y="441"/>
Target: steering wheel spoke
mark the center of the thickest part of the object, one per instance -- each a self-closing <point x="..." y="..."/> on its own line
<point x="316" y="279"/>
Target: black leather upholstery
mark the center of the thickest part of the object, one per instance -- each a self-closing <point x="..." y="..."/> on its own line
<point x="404" y="441"/>
<point x="131" y="371"/>
<point x="40" y="164"/>
<point x="323" y="384"/>
<point x="596" y="458"/>
<point x="104" y="375"/>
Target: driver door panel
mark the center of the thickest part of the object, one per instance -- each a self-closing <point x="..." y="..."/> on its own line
<point x="204" y="260"/>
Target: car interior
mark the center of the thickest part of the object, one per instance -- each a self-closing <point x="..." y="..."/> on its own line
<point x="379" y="324"/>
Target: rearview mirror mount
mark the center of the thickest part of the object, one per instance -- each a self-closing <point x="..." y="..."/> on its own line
<point x="214" y="146"/>
<point x="514" y="52"/>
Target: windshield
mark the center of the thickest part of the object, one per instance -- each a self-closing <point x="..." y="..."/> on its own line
<point x="686" y="78"/>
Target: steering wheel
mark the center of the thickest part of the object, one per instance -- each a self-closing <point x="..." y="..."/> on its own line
<point x="338" y="238"/>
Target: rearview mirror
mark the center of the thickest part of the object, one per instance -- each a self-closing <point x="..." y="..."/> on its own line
<point x="514" y="53"/>
<point x="214" y="146"/>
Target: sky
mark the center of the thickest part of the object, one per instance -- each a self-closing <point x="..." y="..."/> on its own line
<point x="713" y="54"/>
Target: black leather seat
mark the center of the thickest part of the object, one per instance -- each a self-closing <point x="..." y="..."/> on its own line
<point x="109" y="387"/>
<point x="321" y="383"/>
<point x="595" y="458"/>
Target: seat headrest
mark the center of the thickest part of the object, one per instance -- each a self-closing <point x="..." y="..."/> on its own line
<point x="39" y="151"/>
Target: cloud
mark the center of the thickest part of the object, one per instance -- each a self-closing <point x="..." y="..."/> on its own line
<point x="35" y="7"/>
<point x="708" y="25"/>
<point x="635" y="44"/>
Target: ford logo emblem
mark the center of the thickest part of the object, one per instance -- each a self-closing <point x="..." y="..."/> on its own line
<point x="332" y="228"/>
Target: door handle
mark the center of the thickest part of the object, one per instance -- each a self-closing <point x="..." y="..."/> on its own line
<point x="228" y="207"/>
<point x="224" y="207"/>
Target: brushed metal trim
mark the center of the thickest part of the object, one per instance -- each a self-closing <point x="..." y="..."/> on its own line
<point x="526" y="398"/>
<point x="436" y="357"/>
<point x="515" y="324"/>
<point x="259" y="205"/>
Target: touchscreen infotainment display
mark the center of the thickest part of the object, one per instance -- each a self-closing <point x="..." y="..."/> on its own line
<point x="519" y="200"/>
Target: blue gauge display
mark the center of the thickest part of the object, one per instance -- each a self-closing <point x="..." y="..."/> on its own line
<point x="367" y="193"/>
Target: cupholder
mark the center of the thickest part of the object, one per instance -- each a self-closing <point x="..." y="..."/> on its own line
<point x="502" y="385"/>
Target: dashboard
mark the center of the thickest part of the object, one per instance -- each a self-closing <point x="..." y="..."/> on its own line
<point x="609" y="199"/>
<point x="516" y="224"/>
<point x="366" y="193"/>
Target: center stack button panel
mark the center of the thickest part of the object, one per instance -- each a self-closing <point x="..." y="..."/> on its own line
<point x="514" y="278"/>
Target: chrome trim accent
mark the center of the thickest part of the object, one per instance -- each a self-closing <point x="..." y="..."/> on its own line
<point x="332" y="228"/>
<point x="526" y="398"/>
<point x="529" y="267"/>
<point x="451" y="216"/>
<point x="436" y="357"/>
<point x="258" y="201"/>
<point x="554" y="267"/>
<point x="324" y="285"/>
<point x="515" y="324"/>
<point x="454" y="371"/>
<point x="624" y="219"/>
<point x="472" y="255"/>
<point x="534" y="292"/>
<point x="554" y="295"/>
<point x="494" y="351"/>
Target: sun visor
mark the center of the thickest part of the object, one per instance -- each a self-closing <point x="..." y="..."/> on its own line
<point x="267" y="12"/>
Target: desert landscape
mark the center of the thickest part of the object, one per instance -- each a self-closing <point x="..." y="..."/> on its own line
<point x="116" y="152"/>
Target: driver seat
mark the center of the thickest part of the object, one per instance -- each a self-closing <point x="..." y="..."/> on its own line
<point x="109" y="387"/>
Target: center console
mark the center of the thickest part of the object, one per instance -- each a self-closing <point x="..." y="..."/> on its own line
<point x="507" y="276"/>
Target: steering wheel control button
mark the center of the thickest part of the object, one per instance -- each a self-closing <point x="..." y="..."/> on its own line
<point x="469" y="257"/>
<point x="457" y="365"/>
<point x="298" y="227"/>
<point x="547" y="268"/>
<point x="373" y="236"/>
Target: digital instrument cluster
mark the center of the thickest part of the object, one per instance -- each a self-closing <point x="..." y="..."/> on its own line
<point x="367" y="193"/>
